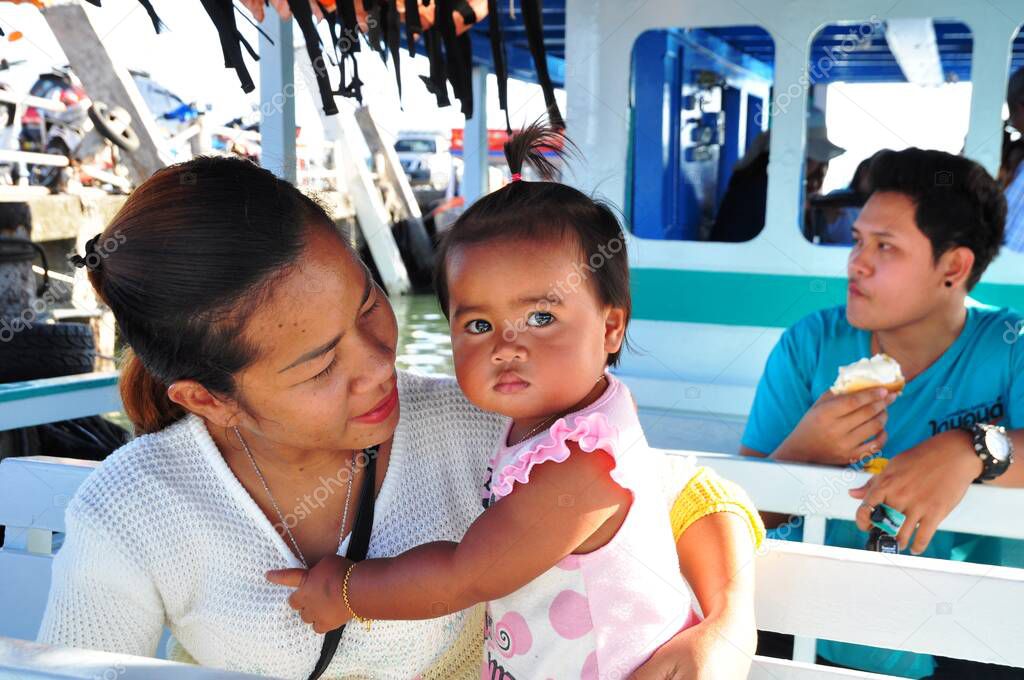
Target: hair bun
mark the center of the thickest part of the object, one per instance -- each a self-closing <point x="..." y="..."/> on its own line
<point x="530" y="145"/>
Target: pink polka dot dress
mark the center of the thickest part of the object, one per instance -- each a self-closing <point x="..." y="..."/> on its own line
<point x="602" y="614"/>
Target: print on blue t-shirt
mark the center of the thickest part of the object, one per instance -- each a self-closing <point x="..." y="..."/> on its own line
<point x="979" y="378"/>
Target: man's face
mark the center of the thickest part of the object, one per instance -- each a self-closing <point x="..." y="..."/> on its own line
<point x="893" y="277"/>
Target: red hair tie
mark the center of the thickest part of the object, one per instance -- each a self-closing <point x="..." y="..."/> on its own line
<point x="516" y="176"/>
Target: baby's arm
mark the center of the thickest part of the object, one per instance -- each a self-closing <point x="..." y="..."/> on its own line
<point x="510" y="544"/>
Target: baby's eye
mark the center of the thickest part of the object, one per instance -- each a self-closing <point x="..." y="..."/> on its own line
<point x="538" y="319"/>
<point x="478" y="326"/>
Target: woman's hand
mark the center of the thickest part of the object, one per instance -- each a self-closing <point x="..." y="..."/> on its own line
<point x="318" y="598"/>
<point x="836" y="429"/>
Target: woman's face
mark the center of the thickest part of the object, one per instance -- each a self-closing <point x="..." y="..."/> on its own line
<point x="326" y="338"/>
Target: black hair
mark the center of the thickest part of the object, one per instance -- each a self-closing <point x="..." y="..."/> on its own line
<point x="957" y="203"/>
<point x="542" y="211"/>
<point x="183" y="266"/>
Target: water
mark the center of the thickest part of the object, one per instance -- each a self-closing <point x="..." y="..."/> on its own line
<point x="423" y="343"/>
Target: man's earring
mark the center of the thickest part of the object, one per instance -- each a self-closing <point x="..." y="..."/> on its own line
<point x="949" y="284"/>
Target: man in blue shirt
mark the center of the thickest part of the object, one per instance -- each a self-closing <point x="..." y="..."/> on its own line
<point x="924" y="238"/>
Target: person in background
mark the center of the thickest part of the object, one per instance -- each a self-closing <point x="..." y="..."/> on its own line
<point x="839" y="219"/>
<point x="1011" y="157"/>
<point x="1015" y="178"/>
<point x="741" y="215"/>
<point x="931" y="227"/>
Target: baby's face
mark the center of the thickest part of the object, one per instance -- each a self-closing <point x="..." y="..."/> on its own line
<point x="529" y="336"/>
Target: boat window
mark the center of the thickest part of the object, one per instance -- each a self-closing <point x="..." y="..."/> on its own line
<point x="1011" y="172"/>
<point x="877" y="85"/>
<point x="699" y="118"/>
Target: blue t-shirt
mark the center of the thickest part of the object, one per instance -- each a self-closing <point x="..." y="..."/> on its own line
<point x="979" y="378"/>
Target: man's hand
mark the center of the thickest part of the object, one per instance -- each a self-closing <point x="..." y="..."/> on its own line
<point x="318" y="598"/>
<point x="925" y="483"/>
<point x="836" y="430"/>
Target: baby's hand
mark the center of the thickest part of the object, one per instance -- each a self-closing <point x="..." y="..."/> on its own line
<point x="318" y="598"/>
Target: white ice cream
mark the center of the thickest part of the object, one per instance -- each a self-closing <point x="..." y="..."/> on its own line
<point x="880" y="369"/>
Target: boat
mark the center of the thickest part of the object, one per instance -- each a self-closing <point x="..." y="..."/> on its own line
<point x="664" y="98"/>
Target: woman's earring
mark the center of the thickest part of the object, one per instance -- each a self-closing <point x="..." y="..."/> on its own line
<point x="949" y="284"/>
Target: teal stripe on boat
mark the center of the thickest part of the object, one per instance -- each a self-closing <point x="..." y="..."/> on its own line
<point x="50" y="386"/>
<point x="742" y="299"/>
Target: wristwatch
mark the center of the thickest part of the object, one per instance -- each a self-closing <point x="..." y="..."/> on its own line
<point x="994" y="447"/>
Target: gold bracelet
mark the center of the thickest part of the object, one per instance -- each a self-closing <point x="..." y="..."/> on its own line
<point x="344" y="597"/>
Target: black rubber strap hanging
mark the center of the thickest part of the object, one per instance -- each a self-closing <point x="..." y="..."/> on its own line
<point x="464" y="44"/>
<point x="358" y="547"/>
<point x="458" y="70"/>
<point x="349" y="26"/>
<point x="467" y="13"/>
<point x="413" y="26"/>
<point x="148" y="6"/>
<point x="499" y="58"/>
<point x="252" y="23"/>
<point x="375" y="27"/>
<point x="393" y="38"/>
<point x="222" y="14"/>
<point x="248" y="48"/>
<point x="435" y="82"/>
<point x="349" y="44"/>
<point x="303" y="14"/>
<point x="534" y="22"/>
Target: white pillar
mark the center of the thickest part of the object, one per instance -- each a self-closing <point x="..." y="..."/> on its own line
<point x="277" y="98"/>
<point x="474" y="141"/>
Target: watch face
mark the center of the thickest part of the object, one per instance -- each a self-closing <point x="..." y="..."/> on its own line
<point x="998" y="445"/>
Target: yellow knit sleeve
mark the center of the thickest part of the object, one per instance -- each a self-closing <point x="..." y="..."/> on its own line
<point x="706" y="494"/>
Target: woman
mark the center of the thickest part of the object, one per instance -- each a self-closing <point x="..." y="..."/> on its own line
<point x="262" y="366"/>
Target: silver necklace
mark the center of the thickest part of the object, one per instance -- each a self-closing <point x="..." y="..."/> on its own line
<point x="549" y="421"/>
<point x="277" y="509"/>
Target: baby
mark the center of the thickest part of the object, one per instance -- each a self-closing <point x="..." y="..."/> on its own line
<point x="574" y="553"/>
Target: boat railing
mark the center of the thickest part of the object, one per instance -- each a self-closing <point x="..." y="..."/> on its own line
<point x="812" y="494"/>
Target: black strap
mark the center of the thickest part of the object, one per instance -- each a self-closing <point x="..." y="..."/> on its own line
<point x="303" y="14"/>
<point x="413" y="26"/>
<point x="148" y="6"/>
<point x="393" y="38"/>
<point x="500" y="59"/>
<point x="468" y="15"/>
<point x="534" y="21"/>
<point x="457" y="67"/>
<point x="223" y="16"/>
<point x="358" y="545"/>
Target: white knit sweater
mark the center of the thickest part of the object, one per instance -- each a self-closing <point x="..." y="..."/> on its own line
<point x="162" y="533"/>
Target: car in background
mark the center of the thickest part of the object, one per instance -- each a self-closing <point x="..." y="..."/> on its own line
<point x="426" y="159"/>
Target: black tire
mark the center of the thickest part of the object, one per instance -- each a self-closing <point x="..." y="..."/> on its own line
<point x="45" y="351"/>
<point x="115" y="125"/>
<point x="50" y="176"/>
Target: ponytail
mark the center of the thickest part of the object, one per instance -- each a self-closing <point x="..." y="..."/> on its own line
<point x="145" y="397"/>
<point x="529" y="146"/>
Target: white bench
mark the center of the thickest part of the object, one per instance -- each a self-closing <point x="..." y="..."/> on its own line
<point x="896" y="601"/>
<point x="818" y="493"/>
